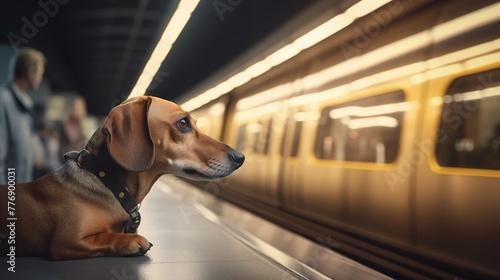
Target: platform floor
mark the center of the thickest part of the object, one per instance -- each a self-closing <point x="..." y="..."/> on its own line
<point x="186" y="246"/>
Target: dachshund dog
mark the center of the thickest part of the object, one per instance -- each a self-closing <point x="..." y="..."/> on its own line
<point x="88" y="208"/>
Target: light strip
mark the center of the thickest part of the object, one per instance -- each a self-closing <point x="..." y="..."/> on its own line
<point x="382" y="121"/>
<point x="331" y="93"/>
<point x="307" y="40"/>
<point x="432" y="68"/>
<point x="167" y="39"/>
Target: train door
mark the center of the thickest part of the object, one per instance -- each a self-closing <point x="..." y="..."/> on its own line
<point x="458" y="189"/>
<point x="353" y="145"/>
<point x="377" y="126"/>
<point x="458" y="186"/>
<point x="254" y="136"/>
<point x="309" y="188"/>
<point x="289" y="164"/>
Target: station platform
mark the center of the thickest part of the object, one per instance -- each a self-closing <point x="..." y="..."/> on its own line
<point x="193" y="240"/>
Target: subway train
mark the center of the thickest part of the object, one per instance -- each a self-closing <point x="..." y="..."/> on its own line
<point x="383" y="137"/>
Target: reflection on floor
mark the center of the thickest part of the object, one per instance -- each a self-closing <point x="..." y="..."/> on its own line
<point x="186" y="246"/>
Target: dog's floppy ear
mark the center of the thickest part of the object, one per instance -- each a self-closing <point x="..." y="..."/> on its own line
<point x="128" y="138"/>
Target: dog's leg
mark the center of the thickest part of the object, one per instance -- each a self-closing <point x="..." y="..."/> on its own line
<point x="102" y="244"/>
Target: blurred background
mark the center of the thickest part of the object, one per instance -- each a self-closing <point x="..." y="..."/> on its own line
<point x="97" y="49"/>
<point x="370" y="127"/>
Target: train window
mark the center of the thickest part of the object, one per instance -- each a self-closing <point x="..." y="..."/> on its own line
<point x="256" y="132"/>
<point x="267" y="137"/>
<point x="248" y="138"/>
<point x="242" y="136"/>
<point x="365" y="130"/>
<point x="292" y="133"/>
<point x="254" y="137"/>
<point x="296" y="139"/>
<point x="469" y="135"/>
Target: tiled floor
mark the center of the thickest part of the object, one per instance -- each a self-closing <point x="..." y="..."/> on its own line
<point x="186" y="246"/>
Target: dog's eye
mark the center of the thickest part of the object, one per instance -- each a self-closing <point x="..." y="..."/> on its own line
<point x="183" y="125"/>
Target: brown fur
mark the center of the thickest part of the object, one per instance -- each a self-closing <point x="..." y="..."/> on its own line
<point x="70" y="214"/>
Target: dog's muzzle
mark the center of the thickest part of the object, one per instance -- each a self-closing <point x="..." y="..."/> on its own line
<point x="236" y="158"/>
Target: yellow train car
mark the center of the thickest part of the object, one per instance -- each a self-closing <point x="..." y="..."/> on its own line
<point x="384" y="137"/>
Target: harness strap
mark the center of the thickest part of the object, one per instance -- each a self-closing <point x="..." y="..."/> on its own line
<point x="88" y="162"/>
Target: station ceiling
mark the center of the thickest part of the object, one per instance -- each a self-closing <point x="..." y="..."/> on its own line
<point x="99" y="48"/>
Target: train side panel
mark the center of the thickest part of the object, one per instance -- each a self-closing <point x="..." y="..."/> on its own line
<point x="458" y="195"/>
<point x="391" y="139"/>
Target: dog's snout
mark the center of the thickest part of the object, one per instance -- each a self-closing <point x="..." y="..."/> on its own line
<point x="236" y="157"/>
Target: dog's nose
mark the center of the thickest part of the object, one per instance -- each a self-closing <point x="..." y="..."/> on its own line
<point x="236" y="157"/>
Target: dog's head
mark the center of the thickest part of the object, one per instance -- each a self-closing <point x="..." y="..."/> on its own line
<point x="147" y="131"/>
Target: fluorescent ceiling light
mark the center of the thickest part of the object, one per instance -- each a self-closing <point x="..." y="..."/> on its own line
<point x="359" y="111"/>
<point x="323" y="31"/>
<point x="372" y="122"/>
<point x="307" y="40"/>
<point x="466" y="23"/>
<point x="167" y="39"/>
<point x="430" y="69"/>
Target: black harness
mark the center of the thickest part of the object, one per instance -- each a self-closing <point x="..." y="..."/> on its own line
<point x="88" y="162"/>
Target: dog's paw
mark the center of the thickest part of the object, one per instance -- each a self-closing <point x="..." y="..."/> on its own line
<point x="137" y="246"/>
<point x="141" y="251"/>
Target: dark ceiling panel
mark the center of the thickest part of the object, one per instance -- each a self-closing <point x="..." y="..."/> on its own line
<point x="225" y="36"/>
<point x="98" y="48"/>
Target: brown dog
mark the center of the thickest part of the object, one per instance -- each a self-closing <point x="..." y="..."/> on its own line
<point x="88" y="208"/>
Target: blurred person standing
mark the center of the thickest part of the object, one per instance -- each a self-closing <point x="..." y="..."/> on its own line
<point x="16" y="114"/>
<point x="74" y="131"/>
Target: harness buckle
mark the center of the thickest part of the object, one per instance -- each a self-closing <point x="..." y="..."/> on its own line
<point x="81" y="157"/>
